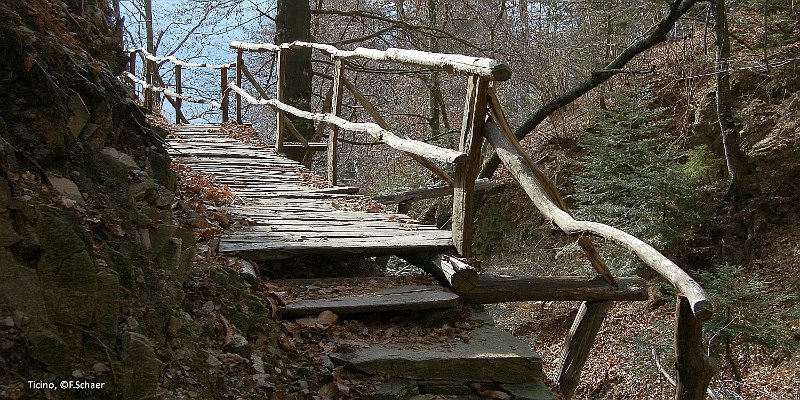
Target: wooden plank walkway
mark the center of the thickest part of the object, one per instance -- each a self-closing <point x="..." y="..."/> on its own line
<point x="293" y="218"/>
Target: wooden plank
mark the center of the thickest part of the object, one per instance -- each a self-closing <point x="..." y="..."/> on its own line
<point x="350" y="245"/>
<point x="494" y="289"/>
<point x="403" y="298"/>
<point x="311" y="146"/>
<point x="579" y="343"/>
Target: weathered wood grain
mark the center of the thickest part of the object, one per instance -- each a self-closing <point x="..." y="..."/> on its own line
<point x="291" y="218"/>
<point x="418" y="297"/>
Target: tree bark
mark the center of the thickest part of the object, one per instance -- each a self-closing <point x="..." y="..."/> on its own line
<point x="293" y="22"/>
<point x="695" y="369"/>
<point x="734" y="159"/>
<point x="578" y="344"/>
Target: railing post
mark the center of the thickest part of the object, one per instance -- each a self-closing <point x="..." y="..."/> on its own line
<point x="336" y="103"/>
<point x="223" y="72"/>
<point x="148" y="91"/>
<point x="465" y="174"/>
<point x="695" y="368"/>
<point x="280" y="125"/>
<point x="239" y="65"/>
<point x="578" y="344"/>
<point x="132" y="70"/>
<point x="178" y="90"/>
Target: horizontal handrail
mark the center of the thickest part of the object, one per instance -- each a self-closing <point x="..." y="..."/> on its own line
<point x="407" y="145"/>
<point x="513" y="156"/>
<point x="170" y="93"/>
<point x="453" y="63"/>
<point x="177" y="61"/>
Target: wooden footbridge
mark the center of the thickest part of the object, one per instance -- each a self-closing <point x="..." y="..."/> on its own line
<point x="293" y="217"/>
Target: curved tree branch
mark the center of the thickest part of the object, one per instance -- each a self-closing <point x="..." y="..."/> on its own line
<point x="655" y="35"/>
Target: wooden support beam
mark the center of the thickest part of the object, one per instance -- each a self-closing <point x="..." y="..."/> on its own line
<point x="336" y="101"/>
<point x="132" y="70"/>
<point x="521" y="170"/>
<point x="552" y="191"/>
<point x="498" y="289"/>
<point x="174" y="102"/>
<point x="326" y="108"/>
<point x="449" y="271"/>
<point x="404" y="206"/>
<point x="280" y="127"/>
<point x="239" y="66"/>
<point x="292" y="129"/>
<point x="223" y="72"/>
<point x="254" y="82"/>
<point x="178" y="90"/>
<point x="695" y="368"/>
<point x="579" y="343"/>
<point x="148" y="92"/>
<point x="465" y="174"/>
<point x="429" y="193"/>
<point x="383" y="124"/>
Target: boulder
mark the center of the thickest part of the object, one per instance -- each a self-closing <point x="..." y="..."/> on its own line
<point x="139" y="367"/>
<point x="66" y="188"/>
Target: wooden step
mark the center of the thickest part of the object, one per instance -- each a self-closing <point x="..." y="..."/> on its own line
<point x="402" y="298"/>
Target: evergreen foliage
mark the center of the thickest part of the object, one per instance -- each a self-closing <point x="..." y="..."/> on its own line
<point x="632" y="176"/>
<point x="747" y="313"/>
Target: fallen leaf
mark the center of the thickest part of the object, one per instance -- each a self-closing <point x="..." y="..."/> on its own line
<point x="286" y="343"/>
<point x="322" y="321"/>
<point x="328" y="392"/>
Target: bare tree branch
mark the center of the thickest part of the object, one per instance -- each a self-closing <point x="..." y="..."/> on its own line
<point x="655" y="35"/>
<point x="425" y="30"/>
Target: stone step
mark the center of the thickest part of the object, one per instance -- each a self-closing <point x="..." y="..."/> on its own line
<point x="491" y="358"/>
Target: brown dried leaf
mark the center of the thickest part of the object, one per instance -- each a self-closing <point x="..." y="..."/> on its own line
<point x="328" y="392"/>
<point x="322" y="321"/>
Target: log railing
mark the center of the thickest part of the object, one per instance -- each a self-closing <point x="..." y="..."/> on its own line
<point x="153" y="82"/>
<point x="483" y="120"/>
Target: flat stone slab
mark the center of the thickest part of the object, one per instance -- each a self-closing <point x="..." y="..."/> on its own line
<point x="490" y="355"/>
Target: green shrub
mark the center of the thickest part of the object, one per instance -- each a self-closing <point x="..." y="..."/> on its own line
<point x="633" y="176"/>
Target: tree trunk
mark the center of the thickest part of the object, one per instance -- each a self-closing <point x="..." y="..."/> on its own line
<point x="293" y="22"/>
<point x="734" y="159"/>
